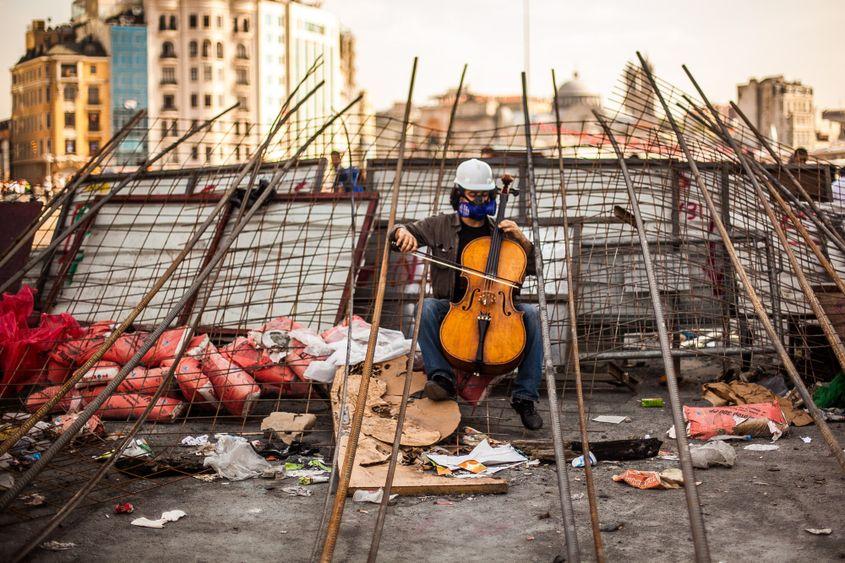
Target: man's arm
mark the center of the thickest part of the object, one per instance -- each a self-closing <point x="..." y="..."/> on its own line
<point x="413" y="235"/>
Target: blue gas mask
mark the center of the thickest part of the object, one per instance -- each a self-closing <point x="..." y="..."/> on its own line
<point x="477" y="211"/>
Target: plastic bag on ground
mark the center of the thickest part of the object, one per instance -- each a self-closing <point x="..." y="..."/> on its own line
<point x="234" y="459"/>
<point x="712" y="454"/>
<point x="758" y="419"/>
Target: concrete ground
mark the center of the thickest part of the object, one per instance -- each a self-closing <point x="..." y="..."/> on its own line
<point x="755" y="511"/>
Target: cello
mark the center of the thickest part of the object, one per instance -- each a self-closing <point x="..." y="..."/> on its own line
<point x="484" y="333"/>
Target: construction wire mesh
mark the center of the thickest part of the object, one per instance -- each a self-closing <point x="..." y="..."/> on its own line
<point x="313" y="250"/>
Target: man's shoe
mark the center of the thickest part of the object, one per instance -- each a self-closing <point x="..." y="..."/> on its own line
<point x="440" y="387"/>
<point x="528" y="413"/>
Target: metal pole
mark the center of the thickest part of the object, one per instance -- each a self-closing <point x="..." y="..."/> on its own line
<point x="409" y="370"/>
<point x="699" y="533"/>
<point x="570" y="535"/>
<point x="115" y="334"/>
<point x="361" y="401"/>
<point x="105" y="199"/>
<point x="150" y="341"/>
<point x="833" y="231"/>
<point x="827" y="327"/>
<point x="573" y="348"/>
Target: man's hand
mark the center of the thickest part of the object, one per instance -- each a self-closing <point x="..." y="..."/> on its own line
<point x="405" y="240"/>
<point x="513" y="230"/>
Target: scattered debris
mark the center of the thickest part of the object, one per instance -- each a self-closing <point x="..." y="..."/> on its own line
<point x="297" y="491"/>
<point x="761" y="447"/>
<point x="831" y="394"/>
<point x="726" y="437"/>
<point x="762" y="420"/>
<point x="33" y="499"/>
<point x="834" y="414"/>
<point x="713" y="454"/>
<point x="806" y="439"/>
<point x="169" y="516"/>
<point x="611" y="419"/>
<point x="195" y="440"/>
<point x="443" y="503"/>
<point x="207" y="477"/>
<point x="54" y="545"/>
<point x="578" y="462"/>
<point x="819" y="531"/>
<point x="124" y="508"/>
<point x="742" y="393"/>
<point x="622" y="450"/>
<point x="478" y="461"/>
<point x="652" y="402"/>
<point x="234" y="459"/>
<point x="611" y="526"/>
<point x="666" y="479"/>
<point x="287" y="426"/>
<point x="374" y="497"/>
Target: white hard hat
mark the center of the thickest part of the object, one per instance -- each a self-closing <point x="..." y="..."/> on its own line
<point x="475" y="175"/>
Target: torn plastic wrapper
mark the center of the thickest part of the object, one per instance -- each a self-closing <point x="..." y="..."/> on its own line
<point x="759" y="419"/>
<point x="234" y="459"/>
<point x="667" y="479"/>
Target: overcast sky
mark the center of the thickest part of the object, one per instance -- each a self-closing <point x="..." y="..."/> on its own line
<point x="724" y="42"/>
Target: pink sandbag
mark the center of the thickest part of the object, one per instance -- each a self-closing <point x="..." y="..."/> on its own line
<point x="71" y="402"/>
<point x="99" y="374"/>
<point x="235" y="388"/>
<point x="265" y="371"/>
<point x="125" y="406"/>
<point x="194" y="384"/>
<point x="76" y="351"/>
<point x="165" y="347"/>
<point x="142" y="380"/>
<point x="125" y="347"/>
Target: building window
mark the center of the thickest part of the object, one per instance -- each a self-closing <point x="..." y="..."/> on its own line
<point x="242" y="76"/>
<point x="70" y="93"/>
<point x="164" y="128"/>
<point x="241" y="51"/>
<point x="207" y="153"/>
<point x="70" y="120"/>
<point x="93" y="69"/>
<point x="169" y="101"/>
<point x="174" y="128"/>
<point x="167" y="50"/>
<point x="48" y="120"/>
<point x="219" y="22"/>
<point x="195" y="153"/>
<point x="194" y="100"/>
<point x="194" y="74"/>
<point x="173" y="22"/>
<point x="206" y="73"/>
<point x="207" y="100"/>
<point x="206" y="47"/>
<point x="192" y="21"/>
<point x="246" y="25"/>
<point x="237" y="153"/>
<point x="68" y="71"/>
<point x="93" y="95"/>
<point x="235" y="24"/>
<point x="93" y="147"/>
<point x="47" y="94"/>
<point x="219" y="50"/>
<point x="162" y="22"/>
<point x="193" y="49"/>
<point x="206" y="21"/>
<point x="242" y="103"/>
<point x="70" y="146"/>
<point x="168" y="75"/>
<point x="93" y="121"/>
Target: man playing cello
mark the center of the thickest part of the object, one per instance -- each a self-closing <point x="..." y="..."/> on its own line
<point x="473" y="199"/>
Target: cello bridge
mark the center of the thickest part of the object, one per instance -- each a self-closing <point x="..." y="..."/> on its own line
<point x="487" y="298"/>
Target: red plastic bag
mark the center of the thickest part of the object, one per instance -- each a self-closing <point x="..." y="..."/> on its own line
<point x="235" y="388"/>
<point x="71" y="402"/>
<point x="758" y="419"/>
<point x="23" y="350"/>
<point x="57" y="372"/>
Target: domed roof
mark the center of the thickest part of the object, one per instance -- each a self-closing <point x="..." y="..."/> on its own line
<point x="575" y="88"/>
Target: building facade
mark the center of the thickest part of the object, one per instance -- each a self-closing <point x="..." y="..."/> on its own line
<point x="780" y="109"/>
<point x="60" y="104"/>
<point x="5" y="150"/>
<point x="128" y="50"/>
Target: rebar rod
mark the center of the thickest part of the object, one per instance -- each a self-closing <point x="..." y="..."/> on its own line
<point x="833" y="231"/>
<point x="60" y="198"/>
<point x="105" y="199"/>
<point x="699" y="533"/>
<point x="361" y="401"/>
<point x="152" y="338"/>
<point x="145" y="300"/>
<point x="570" y="534"/>
<point x="409" y="369"/>
<point x="827" y="327"/>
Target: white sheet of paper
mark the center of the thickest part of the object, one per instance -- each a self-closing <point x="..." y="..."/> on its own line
<point x="483" y="453"/>
<point x="611" y="418"/>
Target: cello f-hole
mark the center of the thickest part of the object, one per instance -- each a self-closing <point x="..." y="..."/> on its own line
<point x="468" y="305"/>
